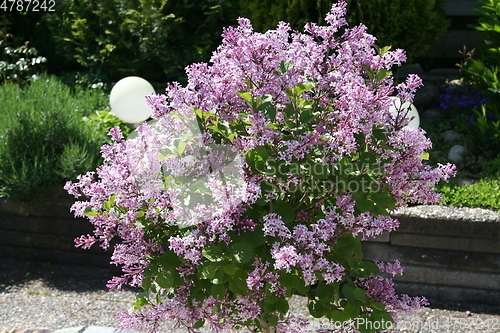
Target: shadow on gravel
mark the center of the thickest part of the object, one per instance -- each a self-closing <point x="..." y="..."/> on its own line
<point x="79" y="278"/>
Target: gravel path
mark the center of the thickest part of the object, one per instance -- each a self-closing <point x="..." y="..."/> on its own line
<point x="52" y="297"/>
<point x="34" y="295"/>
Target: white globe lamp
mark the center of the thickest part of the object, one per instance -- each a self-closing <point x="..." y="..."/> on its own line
<point x="127" y="99"/>
<point x="396" y="107"/>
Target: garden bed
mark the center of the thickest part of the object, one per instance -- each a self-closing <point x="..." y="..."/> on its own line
<point x="448" y="253"/>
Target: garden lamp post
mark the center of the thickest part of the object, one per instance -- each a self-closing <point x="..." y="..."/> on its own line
<point x="127" y="99"/>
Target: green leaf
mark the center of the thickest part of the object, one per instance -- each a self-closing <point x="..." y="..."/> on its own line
<point x="271" y="299"/>
<point x="242" y="252"/>
<point x="284" y="210"/>
<point x="181" y="147"/>
<point x="317" y="309"/>
<point x="269" y="110"/>
<point x="220" y="277"/>
<point x="302" y="87"/>
<point x="384" y="199"/>
<point x="366" y="268"/>
<point x="383" y="50"/>
<point x="213" y="253"/>
<point x="262" y="152"/>
<point x="246" y="96"/>
<point x="165" y="280"/>
<point x="169" y="260"/>
<point x="207" y="271"/>
<point x="109" y="203"/>
<point x="383" y="317"/>
<point x="199" y="324"/>
<point x="273" y="320"/>
<point x="289" y="281"/>
<point x="352" y="310"/>
<point x="268" y="307"/>
<point x="218" y="291"/>
<point x="337" y="316"/>
<point x="382" y="74"/>
<point x="282" y="306"/>
<point x="306" y="116"/>
<point x="285" y="66"/>
<point x="229" y="269"/>
<point x="237" y="282"/>
<point x="324" y="291"/>
<point x="139" y="303"/>
<point x="364" y="324"/>
<point x="360" y="294"/>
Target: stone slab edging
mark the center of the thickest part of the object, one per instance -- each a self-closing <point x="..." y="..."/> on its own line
<point x="447" y="253"/>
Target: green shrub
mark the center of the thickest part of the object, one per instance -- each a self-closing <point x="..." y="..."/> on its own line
<point x="19" y="64"/>
<point x="154" y="39"/>
<point x="484" y="194"/>
<point x="481" y="67"/>
<point x="412" y="25"/>
<point x="481" y="71"/>
<point x="44" y="138"/>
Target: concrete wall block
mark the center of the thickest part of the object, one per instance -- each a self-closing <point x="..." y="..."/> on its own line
<point x="79" y="256"/>
<point x="460" y="228"/>
<point x="20" y="208"/>
<point x="46" y="225"/>
<point x="51" y="209"/>
<point x="437" y="294"/>
<point x="446" y="243"/>
<point x="384" y="237"/>
<point x="42" y="241"/>
<point x="449" y="277"/>
<point x="461" y="260"/>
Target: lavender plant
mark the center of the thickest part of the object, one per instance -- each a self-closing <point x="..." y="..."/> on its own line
<point x="258" y="180"/>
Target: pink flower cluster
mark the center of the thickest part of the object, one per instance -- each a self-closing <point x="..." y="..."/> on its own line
<point x="178" y="187"/>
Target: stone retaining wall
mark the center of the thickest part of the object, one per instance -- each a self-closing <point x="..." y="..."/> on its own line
<point x="44" y="230"/>
<point x="453" y="260"/>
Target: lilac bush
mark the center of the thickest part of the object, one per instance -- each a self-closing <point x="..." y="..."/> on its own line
<point x="258" y="180"/>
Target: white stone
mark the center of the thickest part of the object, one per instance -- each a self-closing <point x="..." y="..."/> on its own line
<point x="450" y="136"/>
<point x="457" y="154"/>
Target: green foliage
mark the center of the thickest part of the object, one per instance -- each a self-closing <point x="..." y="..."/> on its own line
<point x="19" y="64"/>
<point x="44" y="140"/>
<point x="483" y="194"/>
<point x="412" y="25"/>
<point x="102" y="121"/>
<point x="155" y="39"/>
<point x="480" y="67"/>
<point x="481" y="70"/>
<point x="37" y="28"/>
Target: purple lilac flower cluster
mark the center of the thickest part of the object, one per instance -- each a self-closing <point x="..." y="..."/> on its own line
<point x="338" y="82"/>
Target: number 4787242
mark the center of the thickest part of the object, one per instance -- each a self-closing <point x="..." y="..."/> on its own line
<point x="28" y="6"/>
